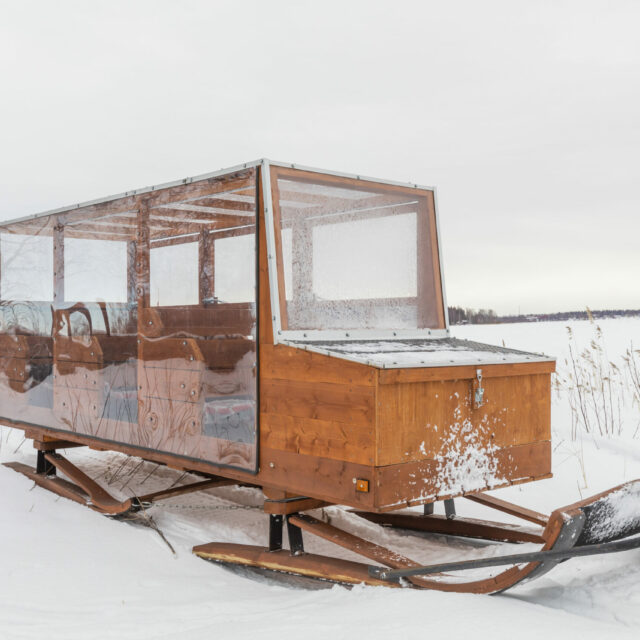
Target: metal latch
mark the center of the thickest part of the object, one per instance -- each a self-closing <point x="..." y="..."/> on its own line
<point x="478" y="390"/>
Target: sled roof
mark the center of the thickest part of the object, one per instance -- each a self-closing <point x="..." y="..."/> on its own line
<point x="207" y="176"/>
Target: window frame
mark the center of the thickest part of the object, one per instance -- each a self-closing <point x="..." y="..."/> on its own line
<point x="281" y="332"/>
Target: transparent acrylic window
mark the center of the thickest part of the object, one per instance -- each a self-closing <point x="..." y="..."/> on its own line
<point x="235" y="268"/>
<point x="26" y="269"/>
<point x="174" y="275"/>
<point x="95" y="270"/>
<point x="355" y="255"/>
<point x="386" y="259"/>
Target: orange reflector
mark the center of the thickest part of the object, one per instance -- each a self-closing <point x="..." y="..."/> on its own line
<point x="362" y="485"/>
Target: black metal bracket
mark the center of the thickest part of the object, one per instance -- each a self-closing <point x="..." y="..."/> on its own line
<point x="43" y="466"/>
<point x="296" y="544"/>
<point x="450" y="509"/>
<point x="276" y="523"/>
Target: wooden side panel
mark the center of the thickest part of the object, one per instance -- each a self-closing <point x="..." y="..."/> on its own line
<point x="317" y="424"/>
<point x="423" y="420"/>
<point x="288" y="363"/>
<point x="315" y="477"/>
<point x="415" y="483"/>
<point x="348" y="404"/>
<point x="426" y="374"/>
<point x="324" y="438"/>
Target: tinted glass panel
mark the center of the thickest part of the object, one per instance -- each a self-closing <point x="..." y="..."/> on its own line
<point x="134" y="321"/>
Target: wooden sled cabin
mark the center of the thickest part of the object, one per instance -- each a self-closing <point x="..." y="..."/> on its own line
<point x="277" y="326"/>
<point x="283" y="328"/>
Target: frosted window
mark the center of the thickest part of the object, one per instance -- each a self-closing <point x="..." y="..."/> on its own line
<point x="359" y="257"/>
<point x="235" y="268"/>
<point x="26" y="269"/>
<point x="95" y="270"/>
<point x="365" y="259"/>
<point x="174" y="275"/>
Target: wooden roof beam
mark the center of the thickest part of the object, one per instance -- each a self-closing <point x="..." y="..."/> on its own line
<point x="249" y="212"/>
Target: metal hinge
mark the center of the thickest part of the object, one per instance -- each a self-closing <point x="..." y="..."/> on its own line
<point x="478" y="390"/>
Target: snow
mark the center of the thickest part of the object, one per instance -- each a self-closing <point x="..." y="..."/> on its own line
<point x="620" y="512"/>
<point x="466" y="464"/>
<point x="421" y="353"/>
<point x="67" y="572"/>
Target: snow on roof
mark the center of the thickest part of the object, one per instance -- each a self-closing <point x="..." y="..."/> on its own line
<point x="437" y="352"/>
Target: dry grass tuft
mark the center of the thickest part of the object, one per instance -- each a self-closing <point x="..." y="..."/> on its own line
<point x="604" y="397"/>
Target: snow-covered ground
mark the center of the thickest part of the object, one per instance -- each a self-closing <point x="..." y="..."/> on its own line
<point x="66" y="572"/>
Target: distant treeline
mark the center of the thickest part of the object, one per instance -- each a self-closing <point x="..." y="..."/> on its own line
<point x="458" y="315"/>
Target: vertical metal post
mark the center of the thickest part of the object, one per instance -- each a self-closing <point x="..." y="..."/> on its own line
<point x="296" y="544"/>
<point x="276" y="523"/>
<point x="428" y="509"/>
<point x="43" y="466"/>
<point x="450" y="509"/>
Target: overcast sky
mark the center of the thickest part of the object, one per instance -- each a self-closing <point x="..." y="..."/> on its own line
<point x="525" y="115"/>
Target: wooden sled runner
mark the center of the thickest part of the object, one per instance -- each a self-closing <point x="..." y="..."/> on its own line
<point x="284" y="328"/>
<point x="585" y="528"/>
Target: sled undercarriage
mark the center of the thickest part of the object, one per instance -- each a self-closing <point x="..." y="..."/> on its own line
<point x="82" y="489"/>
<point x="608" y="522"/>
<point x="588" y="527"/>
